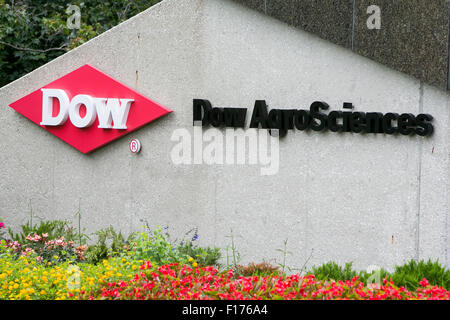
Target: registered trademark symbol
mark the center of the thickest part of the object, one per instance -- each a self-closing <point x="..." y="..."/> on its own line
<point x="135" y="146"/>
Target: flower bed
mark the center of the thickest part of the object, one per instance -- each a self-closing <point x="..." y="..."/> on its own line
<point x="126" y="279"/>
<point x="41" y="265"/>
<point x="178" y="282"/>
<point x="26" y="278"/>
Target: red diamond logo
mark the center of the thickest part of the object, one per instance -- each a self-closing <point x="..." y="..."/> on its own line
<point x="88" y="109"/>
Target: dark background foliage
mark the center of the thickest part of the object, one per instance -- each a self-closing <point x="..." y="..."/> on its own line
<point x="33" y="32"/>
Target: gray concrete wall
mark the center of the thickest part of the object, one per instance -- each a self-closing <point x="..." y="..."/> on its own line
<point x="345" y="197"/>
<point x="412" y="37"/>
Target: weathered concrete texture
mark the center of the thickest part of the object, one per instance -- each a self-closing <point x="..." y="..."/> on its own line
<point x="370" y="199"/>
<point x="413" y="37"/>
<point x="330" y="20"/>
<point x="260" y="5"/>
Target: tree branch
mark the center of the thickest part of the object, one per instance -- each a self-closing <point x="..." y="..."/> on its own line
<point x="62" y="48"/>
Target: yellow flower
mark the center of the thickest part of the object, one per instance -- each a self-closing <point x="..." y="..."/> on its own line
<point x="191" y="259"/>
<point x="195" y="264"/>
<point x="42" y="292"/>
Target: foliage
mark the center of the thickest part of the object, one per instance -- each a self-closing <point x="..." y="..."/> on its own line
<point x="34" y="32"/>
<point x="409" y="274"/>
<point x="257" y="269"/>
<point x="127" y="278"/>
<point x="178" y="282"/>
<point x="285" y="253"/>
<point x="204" y="256"/>
<point x="48" y="266"/>
<point x="155" y="246"/>
<point x="25" y="278"/>
<point x="235" y="255"/>
<point x="101" y="250"/>
<point x="53" y="228"/>
<point x="332" y="270"/>
<point x="45" y="250"/>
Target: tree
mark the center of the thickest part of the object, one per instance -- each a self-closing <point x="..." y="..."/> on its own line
<point x="34" y="32"/>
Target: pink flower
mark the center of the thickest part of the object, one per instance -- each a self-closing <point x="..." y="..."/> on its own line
<point x="424" y="282"/>
<point x="2" y="225"/>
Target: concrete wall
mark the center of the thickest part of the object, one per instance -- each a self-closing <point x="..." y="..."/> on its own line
<point x="345" y="197"/>
<point x="412" y="35"/>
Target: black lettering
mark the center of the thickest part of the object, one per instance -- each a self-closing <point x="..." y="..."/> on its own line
<point x="316" y="114"/>
<point x="405" y="122"/>
<point x="275" y="121"/>
<point x="302" y="119"/>
<point x="259" y="116"/>
<point x="332" y="121"/>
<point x="423" y="127"/>
<point x="374" y="122"/>
<point x="288" y="119"/>
<point x="387" y="123"/>
<point x="216" y="117"/>
<point x="202" y="107"/>
<point x="357" y="122"/>
<point x="235" y="117"/>
<point x="346" y="122"/>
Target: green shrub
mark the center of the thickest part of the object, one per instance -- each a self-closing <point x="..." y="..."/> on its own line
<point x="332" y="270"/>
<point x="410" y="274"/>
<point x="53" y="228"/>
<point x="40" y="248"/>
<point x="156" y="247"/>
<point x="205" y="256"/>
<point x="407" y="275"/>
<point x="101" y="250"/>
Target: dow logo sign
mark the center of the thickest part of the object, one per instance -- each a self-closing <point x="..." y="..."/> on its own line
<point x="88" y="109"/>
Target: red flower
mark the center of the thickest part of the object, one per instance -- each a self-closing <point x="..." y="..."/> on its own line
<point x="424" y="283"/>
